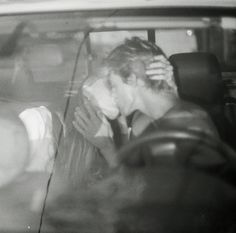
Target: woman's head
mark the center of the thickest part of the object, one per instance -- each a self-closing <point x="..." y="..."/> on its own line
<point x="97" y="91"/>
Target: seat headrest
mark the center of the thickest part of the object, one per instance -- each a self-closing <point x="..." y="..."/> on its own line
<point x="198" y="77"/>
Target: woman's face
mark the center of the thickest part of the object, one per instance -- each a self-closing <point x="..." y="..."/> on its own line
<point x="97" y="91"/>
<point x="110" y="93"/>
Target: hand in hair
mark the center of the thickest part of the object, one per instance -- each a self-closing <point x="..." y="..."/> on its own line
<point x="160" y="69"/>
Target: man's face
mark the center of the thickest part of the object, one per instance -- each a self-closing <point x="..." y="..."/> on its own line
<point x="122" y="94"/>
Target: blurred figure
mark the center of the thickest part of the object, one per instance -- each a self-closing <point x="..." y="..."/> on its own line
<point x="26" y="139"/>
<point x="14" y="146"/>
<point x="163" y="194"/>
<point x="26" y="160"/>
<point x="39" y="127"/>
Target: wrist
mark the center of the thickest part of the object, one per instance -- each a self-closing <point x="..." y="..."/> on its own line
<point x="110" y="155"/>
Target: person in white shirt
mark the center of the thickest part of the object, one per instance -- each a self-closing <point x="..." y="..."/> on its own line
<point x="26" y="141"/>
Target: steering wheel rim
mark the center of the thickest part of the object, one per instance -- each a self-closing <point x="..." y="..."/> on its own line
<point x="226" y="159"/>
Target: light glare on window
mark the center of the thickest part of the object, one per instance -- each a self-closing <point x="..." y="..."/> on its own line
<point x="189" y="32"/>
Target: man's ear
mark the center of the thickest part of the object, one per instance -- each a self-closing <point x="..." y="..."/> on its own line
<point x="138" y="68"/>
<point x="135" y="81"/>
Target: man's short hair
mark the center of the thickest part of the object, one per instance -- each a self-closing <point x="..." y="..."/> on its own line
<point x="121" y="59"/>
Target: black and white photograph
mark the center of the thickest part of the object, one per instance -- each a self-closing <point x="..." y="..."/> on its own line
<point x="117" y="116"/>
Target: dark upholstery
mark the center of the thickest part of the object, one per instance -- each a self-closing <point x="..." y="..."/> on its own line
<point x="198" y="78"/>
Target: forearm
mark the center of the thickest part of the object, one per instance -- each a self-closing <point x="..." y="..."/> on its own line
<point x="110" y="155"/>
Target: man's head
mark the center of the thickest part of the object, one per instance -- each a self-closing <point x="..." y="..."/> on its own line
<point x="14" y="149"/>
<point x="132" y="57"/>
<point x="128" y="64"/>
<point x="123" y="76"/>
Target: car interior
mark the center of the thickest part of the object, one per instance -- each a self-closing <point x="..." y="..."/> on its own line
<point x="199" y="80"/>
<point x="46" y="57"/>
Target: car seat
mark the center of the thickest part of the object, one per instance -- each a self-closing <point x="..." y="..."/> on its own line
<point x="198" y="79"/>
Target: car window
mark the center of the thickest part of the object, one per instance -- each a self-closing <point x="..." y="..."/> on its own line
<point x="177" y="41"/>
<point x="103" y="42"/>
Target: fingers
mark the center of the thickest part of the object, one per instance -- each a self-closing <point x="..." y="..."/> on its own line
<point x="78" y="127"/>
<point x="159" y="69"/>
<point x="155" y="71"/>
<point x="159" y="65"/>
<point x="159" y="62"/>
<point x="93" y="113"/>
<point x="159" y="74"/>
<point x="80" y="122"/>
<point x="87" y="122"/>
<point x="160" y="58"/>
<point x="90" y="109"/>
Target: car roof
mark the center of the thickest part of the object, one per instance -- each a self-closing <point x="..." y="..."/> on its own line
<point x="37" y="6"/>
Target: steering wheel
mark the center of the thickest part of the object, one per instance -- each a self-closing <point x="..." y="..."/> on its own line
<point x="187" y="149"/>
